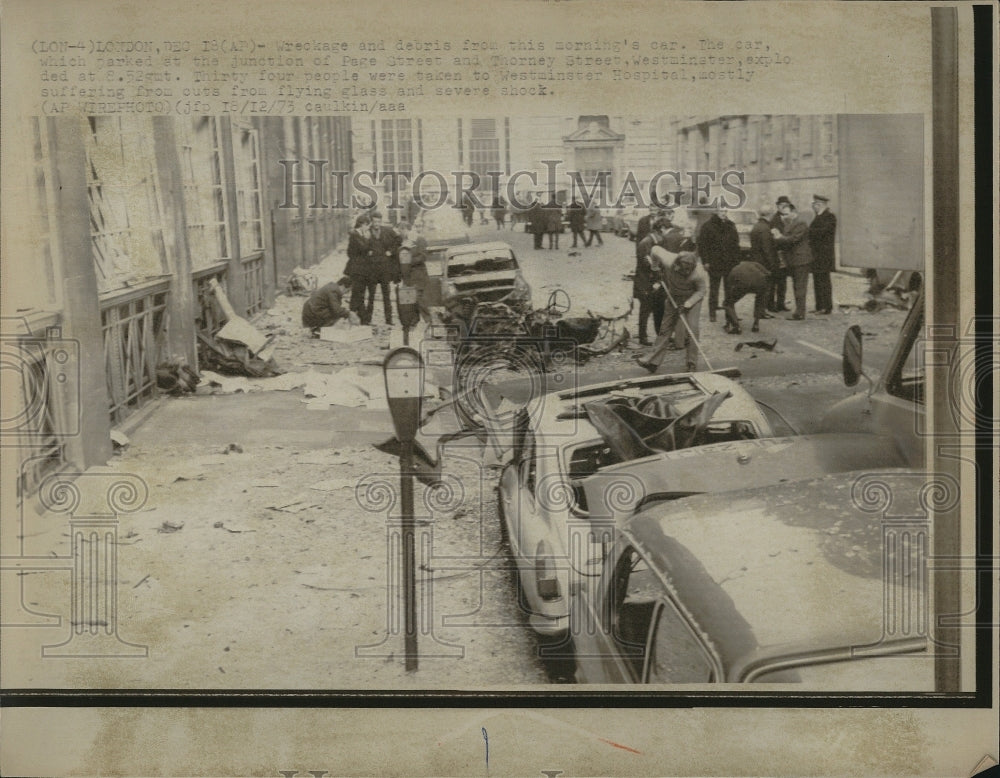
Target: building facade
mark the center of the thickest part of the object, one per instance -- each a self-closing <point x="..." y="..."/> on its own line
<point x="128" y="220"/>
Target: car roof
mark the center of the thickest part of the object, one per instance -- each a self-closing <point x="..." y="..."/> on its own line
<point x="790" y="563"/>
<point x="560" y="421"/>
<point x="735" y="464"/>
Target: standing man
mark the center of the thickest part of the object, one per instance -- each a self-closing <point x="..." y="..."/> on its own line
<point x="499" y="211"/>
<point x="763" y="251"/>
<point x="646" y="285"/>
<point x="553" y="221"/>
<point x="794" y="241"/>
<point x="413" y="272"/>
<point x="684" y="282"/>
<point x="468" y="209"/>
<point x="383" y="248"/>
<point x="536" y="222"/>
<point x="719" y="249"/>
<point x="358" y="264"/>
<point x="594" y="223"/>
<point x="645" y="225"/>
<point x="781" y="271"/>
<point x="577" y="216"/>
<point x="821" y="238"/>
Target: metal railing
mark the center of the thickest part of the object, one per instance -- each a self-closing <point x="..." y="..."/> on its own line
<point x="253" y="283"/>
<point x="133" y="323"/>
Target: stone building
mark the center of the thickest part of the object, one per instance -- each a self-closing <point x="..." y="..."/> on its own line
<point x="126" y="220"/>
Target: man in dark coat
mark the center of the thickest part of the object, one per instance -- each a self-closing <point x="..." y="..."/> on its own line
<point x="499" y="211"/>
<point x="719" y="249"/>
<point x="325" y="306"/>
<point x="357" y="267"/>
<point x="763" y="251"/>
<point x="468" y="209"/>
<point x="413" y="271"/>
<point x="577" y="218"/>
<point x="645" y="285"/>
<point x="746" y="278"/>
<point x="644" y="226"/>
<point x="821" y="237"/>
<point x="553" y="221"/>
<point x="781" y="272"/>
<point x="536" y="222"/>
<point x="383" y="255"/>
<point x="794" y="241"/>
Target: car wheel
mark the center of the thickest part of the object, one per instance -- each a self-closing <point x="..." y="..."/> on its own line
<point x="501" y="513"/>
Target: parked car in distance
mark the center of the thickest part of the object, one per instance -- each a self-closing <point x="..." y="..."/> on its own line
<point x="760" y="585"/>
<point x="484" y="272"/>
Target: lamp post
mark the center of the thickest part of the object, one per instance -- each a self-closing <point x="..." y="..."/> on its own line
<point x="404" y="383"/>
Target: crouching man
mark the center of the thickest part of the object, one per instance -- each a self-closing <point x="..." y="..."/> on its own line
<point x="746" y="278"/>
<point x="685" y="282"/>
<point x="325" y="306"/>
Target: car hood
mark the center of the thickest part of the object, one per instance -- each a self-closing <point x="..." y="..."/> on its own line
<point x="616" y="491"/>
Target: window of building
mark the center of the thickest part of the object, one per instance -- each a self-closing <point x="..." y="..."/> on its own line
<point x="506" y="144"/>
<point x="205" y="204"/>
<point x="249" y="196"/>
<point x="126" y="209"/>
<point x="484" y="150"/>
<point x="827" y="140"/>
<point x="595" y="167"/>
<point x="792" y="141"/>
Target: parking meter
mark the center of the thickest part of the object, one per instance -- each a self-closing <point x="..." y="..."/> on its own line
<point x="406" y="306"/>
<point x="404" y="388"/>
<point x="404" y="385"/>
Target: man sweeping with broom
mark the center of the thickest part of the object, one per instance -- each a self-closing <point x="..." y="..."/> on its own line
<point x="685" y="282"/>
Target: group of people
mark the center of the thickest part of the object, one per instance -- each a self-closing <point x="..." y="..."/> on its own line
<point x="675" y="273"/>
<point x="547" y="220"/>
<point x="377" y="256"/>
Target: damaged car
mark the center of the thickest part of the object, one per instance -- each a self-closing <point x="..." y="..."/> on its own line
<point x="641" y="440"/>
<point x="476" y="273"/>
<point x="762" y="585"/>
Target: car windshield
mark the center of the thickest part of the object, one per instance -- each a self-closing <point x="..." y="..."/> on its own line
<point x="585" y="459"/>
<point x="481" y="262"/>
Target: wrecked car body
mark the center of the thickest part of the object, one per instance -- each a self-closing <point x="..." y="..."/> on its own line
<point x="571" y="477"/>
<point x="760" y="585"/>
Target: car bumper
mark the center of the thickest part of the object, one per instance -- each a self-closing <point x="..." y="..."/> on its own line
<point x="549" y="626"/>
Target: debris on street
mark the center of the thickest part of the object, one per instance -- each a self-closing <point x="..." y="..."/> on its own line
<point x="301" y="282"/>
<point x="176" y="377"/>
<point x="345" y="332"/>
<point x="766" y="345"/>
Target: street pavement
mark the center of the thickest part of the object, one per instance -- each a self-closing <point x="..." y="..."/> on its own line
<point x="264" y="557"/>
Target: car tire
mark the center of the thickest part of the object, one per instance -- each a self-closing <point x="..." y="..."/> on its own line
<point x="501" y="513"/>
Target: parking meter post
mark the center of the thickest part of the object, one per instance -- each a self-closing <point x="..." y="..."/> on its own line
<point x="409" y="555"/>
<point x="403" y="369"/>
